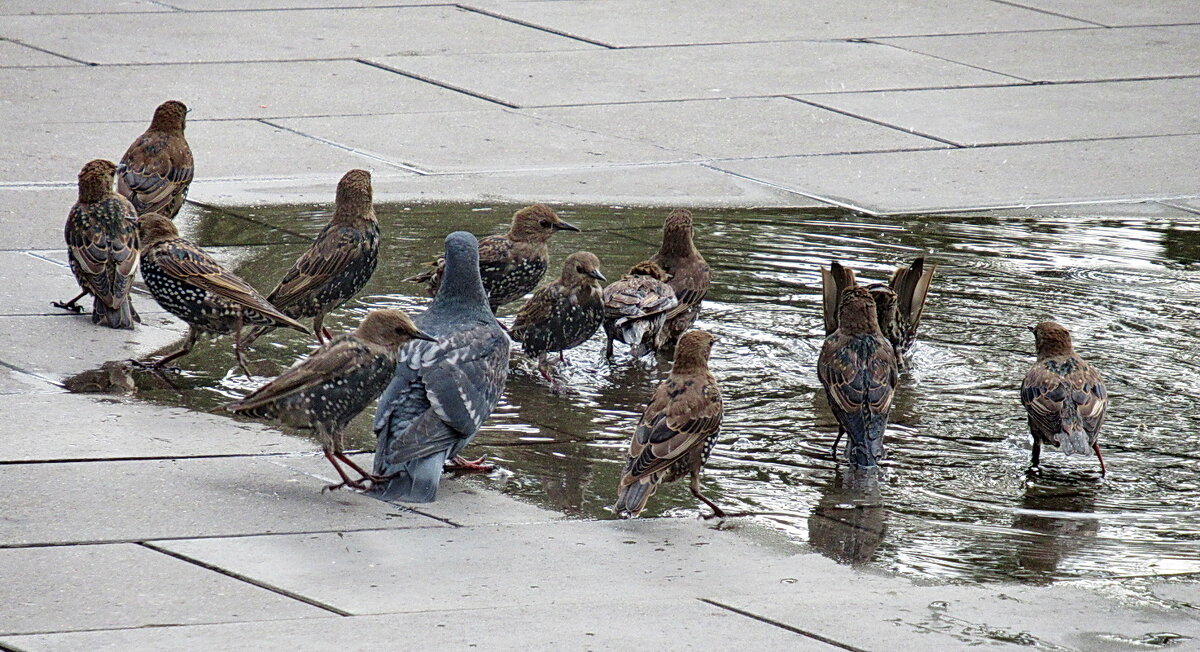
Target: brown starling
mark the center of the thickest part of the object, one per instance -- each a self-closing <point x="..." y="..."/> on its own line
<point x="635" y="308"/>
<point x="1064" y="396"/>
<point x="333" y="384"/>
<point x="156" y="170"/>
<point x="102" y="241"/>
<point x="189" y="284"/>
<point x="690" y="274"/>
<point x="677" y="431"/>
<point x="512" y="264"/>
<point x="565" y="313"/>
<point x="857" y="367"/>
<point x="898" y="304"/>
<point x="338" y="264"/>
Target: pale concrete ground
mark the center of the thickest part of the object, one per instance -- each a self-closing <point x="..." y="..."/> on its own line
<point x="120" y="518"/>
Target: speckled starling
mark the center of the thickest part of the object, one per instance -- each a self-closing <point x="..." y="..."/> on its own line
<point x="338" y="264"/>
<point x="690" y="275"/>
<point x="677" y="431"/>
<point x="512" y="264"/>
<point x="1064" y="396"/>
<point x="156" y="170"/>
<point x="442" y="391"/>
<point x="635" y="309"/>
<point x="189" y="284"/>
<point x="102" y="244"/>
<point x="898" y="304"/>
<point x="857" y="367"/>
<point x="565" y="313"/>
<point x="333" y="384"/>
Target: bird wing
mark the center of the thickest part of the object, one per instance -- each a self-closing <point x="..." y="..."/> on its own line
<point x="682" y="414"/>
<point x="1048" y="394"/>
<point x="911" y="285"/>
<point x="104" y="255"/>
<point x="536" y="310"/>
<point x="333" y="250"/>
<point x="690" y="286"/>
<point x="336" y="359"/>
<point x="457" y="379"/>
<point x="859" y="373"/>
<point x="494" y="254"/>
<point x="833" y="282"/>
<point x="637" y="296"/>
<point x="154" y="167"/>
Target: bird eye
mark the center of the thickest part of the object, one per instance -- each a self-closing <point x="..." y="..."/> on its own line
<point x="545" y="224"/>
<point x="579" y="268"/>
<point x="399" y="331"/>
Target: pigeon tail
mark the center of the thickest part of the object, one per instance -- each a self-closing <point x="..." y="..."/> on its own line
<point x="120" y="317"/>
<point x="631" y="499"/>
<point x="416" y="482"/>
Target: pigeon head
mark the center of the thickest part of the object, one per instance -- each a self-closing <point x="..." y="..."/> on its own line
<point x="693" y="350"/>
<point x="582" y="268"/>
<point x="1052" y="340"/>
<point x="885" y="303"/>
<point x="856" y="313"/>
<point x="677" y="234"/>
<point x="536" y="224"/>
<point x="354" y="196"/>
<point x="169" y="116"/>
<point x="96" y="180"/>
<point x="154" y="228"/>
<point x="461" y="284"/>
<point x="390" y="328"/>
<point x="651" y="269"/>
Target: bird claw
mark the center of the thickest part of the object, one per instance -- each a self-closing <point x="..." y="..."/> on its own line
<point x="463" y="464"/>
<point x="1034" y="472"/>
<point x="70" y="307"/>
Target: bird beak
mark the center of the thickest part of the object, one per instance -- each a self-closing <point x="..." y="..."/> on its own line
<point x="565" y="226"/>
<point x="1032" y="328"/>
<point x="595" y="273"/>
<point x="420" y="335"/>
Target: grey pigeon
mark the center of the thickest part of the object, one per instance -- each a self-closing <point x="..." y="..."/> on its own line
<point x="442" y="391"/>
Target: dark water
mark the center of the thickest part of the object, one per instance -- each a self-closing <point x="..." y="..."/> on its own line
<point x="953" y="502"/>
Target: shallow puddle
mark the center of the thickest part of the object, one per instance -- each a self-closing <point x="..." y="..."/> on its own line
<point x="953" y="502"/>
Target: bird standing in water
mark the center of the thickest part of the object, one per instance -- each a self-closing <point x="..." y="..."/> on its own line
<point x="565" y="313"/>
<point x="189" y="284"/>
<point x="156" y="170"/>
<point x="857" y="368"/>
<point x="333" y="384"/>
<point x="677" y="431"/>
<point x="511" y="265"/>
<point x="102" y="244"/>
<point x="339" y="263"/>
<point x="689" y="275"/>
<point x="1064" y="397"/>
<point x="635" y="309"/>
<point x="898" y="304"/>
<point x="442" y="391"/>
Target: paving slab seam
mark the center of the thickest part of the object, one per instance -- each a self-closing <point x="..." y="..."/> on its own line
<point x="951" y="211"/>
<point x="51" y="632"/>
<point x="238" y="576"/>
<point x="50" y="52"/>
<point x="352" y="150"/>
<point x="439" y="84"/>
<point x="948" y="60"/>
<point x="790" y="628"/>
<point x="201" y="537"/>
<point x="1179" y="206"/>
<point x="20" y="370"/>
<point x="230" y="213"/>
<point x="160" y="458"/>
<point x="228" y="10"/>
<point x="1049" y="12"/>
<point x="857" y="39"/>
<point x="828" y="200"/>
<point x="874" y="121"/>
<point x="542" y="28"/>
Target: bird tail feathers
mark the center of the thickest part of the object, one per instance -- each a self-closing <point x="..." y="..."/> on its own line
<point x="122" y="316"/>
<point x="416" y="481"/>
<point x="632" y="498"/>
<point x="1074" y="441"/>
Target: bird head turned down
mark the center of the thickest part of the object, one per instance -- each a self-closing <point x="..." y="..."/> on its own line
<point x="582" y="268"/>
<point x="1052" y="340"/>
<point x="677" y="234"/>
<point x="154" y="228"/>
<point x="96" y="180"/>
<point x="651" y="269"/>
<point x="885" y="302"/>
<point x="354" y="188"/>
<point x="390" y="328"/>
<point x="169" y="116"/>
<point x="856" y="312"/>
<point x="693" y="350"/>
<point x="537" y="223"/>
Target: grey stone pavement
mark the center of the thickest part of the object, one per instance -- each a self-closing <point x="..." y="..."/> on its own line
<point x="126" y="525"/>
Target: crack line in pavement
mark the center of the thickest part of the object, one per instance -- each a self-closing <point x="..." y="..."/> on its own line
<point x="237" y="576"/>
<point x="786" y="626"/>
<point x="522" y="23"/>
<point x="957" y="63"/>
<point x="195" y="537"/>
<point x="439" y="84"/>
<point x="771" y="184"/>
<point x="352" y="150"/>
<point x="45" y="51"/>
<point x="881" y="123"/>
<point x="1049" y="13"/>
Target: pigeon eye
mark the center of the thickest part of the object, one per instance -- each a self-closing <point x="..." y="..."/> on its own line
<point x="545" y="224"/>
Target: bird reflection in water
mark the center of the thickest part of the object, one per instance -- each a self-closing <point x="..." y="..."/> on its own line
<point x="1055" y="521"/>
<point x="849" y="521"/>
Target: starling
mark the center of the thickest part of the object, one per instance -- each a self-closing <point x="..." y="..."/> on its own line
<point x="189" y="284"/>
<point x="635" y="308"/>
<point x="898" y="304"/>
<point x="330" y="387"/>
<point x="1064" y="396"/>
<point x="565" y="313"/>
<point x="338" y="264"/>
<point x="156" y="170"/>
<point x="689" y="273"/>
<point x="441" y="392"/>
<point x="512" y="264"/>
<point x="677" y="431"/>
<point x="857" y="367"/>
<point x="102" y="240"/>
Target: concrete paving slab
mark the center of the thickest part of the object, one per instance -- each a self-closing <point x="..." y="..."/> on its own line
<point x="737" y="128"/>
<point x="173" y="498"/>
<point x="61" y="346"/>
<point x="14" y="55"/>
<point x="692" y="625"/>
<point x="247" y="90"/>
<point x="34" y="282"/>
<point x="471" y="141"/>
<point x="684" y="184"/>
<point x="239" y="5"/>
<point x="1182" y="592"/>
<point x="990" y="177"/>
<point x="1191" y="204"/>
<point x="1112" y="14"/>
<point x="55" y="152"/>
<point x="86" y="587"/>
<point x="109" y="427"/>
<point x="709" y="71"/>
<point x="1151" y="209"/>
<point x="1072" y="55"/>
<point x="49" y="7"/>
<point x="33" y="218"/>
<point x="625" y="23"/>
<point x="1021" y="114"/>
<point x="16" y="382"/>
<point x="272" y="35"/>
<point x="485" y="566"/>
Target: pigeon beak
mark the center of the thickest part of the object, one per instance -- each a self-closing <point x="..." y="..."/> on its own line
<point x="565" y="226"/>
<point x="595" y="273"/>
<point x="420" y="335"/>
